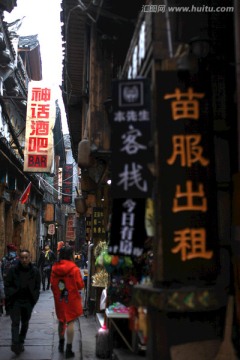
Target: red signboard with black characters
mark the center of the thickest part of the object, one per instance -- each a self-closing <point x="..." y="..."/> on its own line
<point x="67" y="184"/>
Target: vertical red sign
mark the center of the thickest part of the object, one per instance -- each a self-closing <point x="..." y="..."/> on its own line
<point x="67" y="184"/>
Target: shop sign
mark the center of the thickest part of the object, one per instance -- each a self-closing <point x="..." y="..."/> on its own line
<point x="51" y="229"/>
<point x="70" y="228"/>
<point x="41" y="113"/>
<point x="127" y="227"/>
<point x="98" y="229"/>
<point x="131" y="139"/>
<point x="67" y="184"/>
<point x="48" y="212"/>
<point x="186" y="181"/>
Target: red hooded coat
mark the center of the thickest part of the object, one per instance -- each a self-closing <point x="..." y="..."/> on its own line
<point x="68" y="303"/>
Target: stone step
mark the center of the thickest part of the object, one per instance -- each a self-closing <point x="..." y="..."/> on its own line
<point x="124" y="354"/>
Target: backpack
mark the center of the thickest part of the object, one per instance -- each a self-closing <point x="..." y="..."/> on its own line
<point x="7" y="263"/>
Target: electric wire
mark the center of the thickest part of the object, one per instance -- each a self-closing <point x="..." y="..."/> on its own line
<point x="53" y="188"/>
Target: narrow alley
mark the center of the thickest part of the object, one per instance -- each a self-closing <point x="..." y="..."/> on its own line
<point x="42" y="338"/>
<point x="129" y="158"/>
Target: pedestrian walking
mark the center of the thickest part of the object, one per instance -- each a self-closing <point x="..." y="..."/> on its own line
<point x="22" y="289"/>
<point x="66" y="283"/>
<point x="9" y="260"/>
<point x="2" y="292"/>
<point x="45" y="262"/>
<point x="60" y="244"/>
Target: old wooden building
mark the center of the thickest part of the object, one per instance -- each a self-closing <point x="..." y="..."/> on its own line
<point x="18" y="222"/>
<point x="23" y="223"/>
<point x="185" y="58"/>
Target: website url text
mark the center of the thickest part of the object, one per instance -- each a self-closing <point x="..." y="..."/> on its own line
<point x="193" y="8"/>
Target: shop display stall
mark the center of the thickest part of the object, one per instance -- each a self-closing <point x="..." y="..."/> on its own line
<point x="117" y="276"/>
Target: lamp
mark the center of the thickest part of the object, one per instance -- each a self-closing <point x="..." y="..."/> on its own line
<point x="185" y="59"/>
<point x="84" y="158"/>
<point x="189" y="56"/>
<point x="80" y="204"/>
<point x="200" y="46"/>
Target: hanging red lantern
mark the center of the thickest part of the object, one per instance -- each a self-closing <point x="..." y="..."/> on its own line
<point x="80" y="205"/>
<point x="84" y="158"/>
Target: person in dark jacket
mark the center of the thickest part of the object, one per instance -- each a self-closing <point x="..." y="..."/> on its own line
<point x="45" y="262"/>
<point x="9" y="260"/>
<point x="22" y="289"/>
<point x="66" y="282"/>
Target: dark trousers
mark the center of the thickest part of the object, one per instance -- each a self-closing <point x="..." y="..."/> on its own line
<point x="6" y="304"/>
<point x="20" y="313"/>
<point x="46" y="274"/>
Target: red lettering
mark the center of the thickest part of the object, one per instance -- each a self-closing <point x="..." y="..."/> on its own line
<point x="39" y="161"/>
<point x="38" y="144"/>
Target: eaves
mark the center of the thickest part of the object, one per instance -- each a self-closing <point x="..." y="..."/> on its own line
<point x="74" y="21"/>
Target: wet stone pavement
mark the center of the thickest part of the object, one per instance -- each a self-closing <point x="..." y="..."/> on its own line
<point x="42" y="338"/>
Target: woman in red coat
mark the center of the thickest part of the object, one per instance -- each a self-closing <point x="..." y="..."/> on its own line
<point x="66" y="282"/>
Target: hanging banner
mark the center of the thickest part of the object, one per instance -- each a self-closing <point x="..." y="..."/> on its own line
<point x="41" y="113"/>
<point x="187" y="188"/>
<point x="131" y="139"/>
<point x="70" y="228"/>
<point x="127" y="233"/>
<point x="67" y="184"/>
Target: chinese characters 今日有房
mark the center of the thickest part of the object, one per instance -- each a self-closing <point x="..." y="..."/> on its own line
<point x="128" y="224"/>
